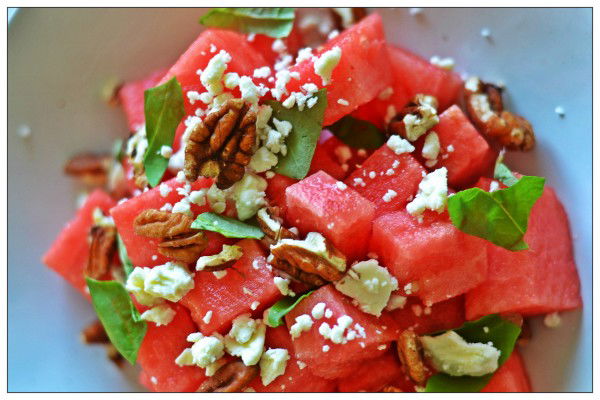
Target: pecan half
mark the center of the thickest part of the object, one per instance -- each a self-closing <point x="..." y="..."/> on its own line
<point x="184" y="248"/>
<point x="415" y="119"/>
<point x="232" y="377"/>
<point x="409" y="351"/>
<point x="287" y="270"/>
<point x="91" y="169"/>
<point x="94" y="333"/>
<point x="102" y="249"/>
<point x="485" y="108"/>
<point x="272" y="225"/>
<point x="221" y="146"/>
<point x="162" y="224"/>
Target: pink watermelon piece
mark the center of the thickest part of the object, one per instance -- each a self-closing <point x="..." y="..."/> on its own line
<point x="322" y="204"/>
<point x="68" y="254"/>
<point x="347" y="157"/>
<point x="354" y="79"/>
<point x="334" y="363"/>
<point x="510" y="377"/>
<point x="324" y="161"/>
<point x="419" y="76"/>
<point x="131" y="96"/>
<point x="247" y="281"/>
<point x="264" y="45"/>
<point x="142" y="250"/>
<point x="378" y="175"/>
<point x="437" y="259"/>
<point x="160" y="348"/>
<point x="539" y="280"/>
<point x="440" y="316"/>
<point x="275" y="191"/>
<point x="373" y="375"/>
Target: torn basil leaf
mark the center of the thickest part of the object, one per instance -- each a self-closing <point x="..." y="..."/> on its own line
<point x="228" y="227"/>
<point x="119" y="317"/>
<point x="500" y="332"/>
<point x="282" y="307"/>
<point x="275" y="22"/>
<point x="358" y="133"/>
<point x="302" y="140"/>
<point x="125" y="261"/>
<point x="163" y="109"/>
<point x="500" y="217"/>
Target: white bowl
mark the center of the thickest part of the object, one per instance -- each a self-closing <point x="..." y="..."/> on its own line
<point x="58" y="60"/>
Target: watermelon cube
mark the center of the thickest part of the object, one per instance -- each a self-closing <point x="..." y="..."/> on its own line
<point x="322" y="204"/>
<point x="143" y="251"/>
<point x="349" y="158"/>
<point x="385" y="170"/>
<point x="247" y="281"/>
<point x="354" y="79"/>
<point x="539" y="280"/>
<point x="510" y="377"/>
<point x="423" y="320"/>
<point x="373" y="375"/>
<point x="419" y="76"/>
<point x="436" y="259"/>
<point x="335" y="362"/>
<point x="264" y="44"/>
<point x="323" y="160"/>
<point x="68" y="255"/>
<point x="160" y="348"/>
<point x="131" y="96"/>
<point x="276" y="191"/>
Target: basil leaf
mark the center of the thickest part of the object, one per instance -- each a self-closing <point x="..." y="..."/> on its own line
<point x="274" y="22"/>
<point x="501" y="216"/>
<point x="358" y="133"/>
<point x="504" y="174"/>
<point x="502" y="333"/>
<point x="118" y="315"/>
<point x="163" y="109"/>
<point x="282" y="307"/>
<point x="125" y="261"/>
<point x="302" y="140"/>
<point x="228" y="227"/>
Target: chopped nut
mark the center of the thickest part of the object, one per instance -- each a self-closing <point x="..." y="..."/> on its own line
<point x="102" y="248"/>
<point x="391" y="389"/>
<point x="91" y="169"/>
<point x="94" y="333"/>
<point x="272" y="225"/>
<point x="409" y="351"/>
<point x="113" y="355"/>
<point x="416" y="118"/>
<point x="525" y="335"/>
<point x="486" y="110"/>
<point x="162" y="224"/>
<point x="232" y="377"/>
<point x="346" y="17"/>
<point x="184" y="248"/>
<point x="221" y="146"/>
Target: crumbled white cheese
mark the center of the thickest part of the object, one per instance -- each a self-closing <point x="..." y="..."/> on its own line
<point x="251" y="350"/>
<point x="301" y="364"/>
<point x="283" y="285"/>
<point x="169" y="281"/>
<point x="282" y="79"/>
<point x="399" y="145"/>
<point x="343" y="102"/>
<point x="304" y="54"/>
<point x="315" y="243"/>
<point x="359" y="182"/>
<point x="389" y="195"/>
<point x="341" y="185"/>
<point x="552" y="320"/>
<point x="164" y="189"/>
<point x="231" y="80"/>
<point x="217" y="198"/>
<point x="396" y="301"/>
<point x="263" y="160"/>
<point x="326" y="63"/>
<point x="262" y="72"/>
<point x="432" y="194"/>
<point x="220" y="274"/>
<point x="325" y="348"/>
<point x="207" y="350"/>
<point x="303" y="324"/>
<point x="249" y="195"/>
<point x="369" y="284"/>
<point x="444" y="63"/>
<point x="254" y="305"/>
<point x="183" y="206"/>
<point x="450" y="148"/>
<point x="494" y="186"/>
<point x="272" y="364"/>
<point x="278" y="46"/>
<point x="243" y="328"/>
<point x="451" y="354"/>
<point x="213" y="73"/>
<point x="318" y="311"/>
<point x="336" y="333"/>
<point x="249" y="90"/>
<point x="160" y="315"/>
<point x="328" y="313"/>
<point x="431" y="147"/>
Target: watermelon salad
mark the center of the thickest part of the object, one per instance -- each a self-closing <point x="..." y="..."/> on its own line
<point x="303" y="206"/>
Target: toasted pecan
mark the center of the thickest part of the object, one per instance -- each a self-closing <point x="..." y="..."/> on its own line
<point x="162" y="224"/>
<point x="232" y="377"/>
<point x="409" y="351"/>
<point x="102" y="249"/>
<point x="186" y="248"/>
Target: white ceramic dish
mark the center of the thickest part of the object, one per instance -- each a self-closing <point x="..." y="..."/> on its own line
<point x="59" y="59"/>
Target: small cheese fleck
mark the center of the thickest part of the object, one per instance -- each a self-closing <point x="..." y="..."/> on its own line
<point x="272" y="364"/>
<point x="399" y="145"/>
<point x="303" y="324"/>
<point x="283" y="285"/>
<point x="343" y="102"/>
<point x="341" y="185"/>
<point x="254" y="305"/>
<point x="325" y="348"/>
<point x="318" y="310"/>
<point x="262" y="72"/>
<point x="213" y="73"/>
<point x="432" y="194"/>
<point x="552" y="320"/>
<point x="389" y="195"/>
<point x="396" y="301"/>
<point x="207" y="317"/>
<point x="326" y="63"/>
<point x="160" y="315"/>
<point x="231" y="80"/>
<point x="431" y="147"/>
<point x="164" y="189"/>
<point x="301" y="364"/>
<point x="166" y="151"/>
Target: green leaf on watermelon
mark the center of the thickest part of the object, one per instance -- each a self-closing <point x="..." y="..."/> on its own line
<point x="504" y="174"/>
<point x="358" y="133"/>
<point x="492" y="328"/>
<point x="163" y="109"/>
<point x="282" y="307"/>
<point x="124" y="257"/>
<point x="500" y="217"/>
<point x="118" y="315"/>
<point x="275" y="22"/>
<point x="228" y="227"/>
<point x="302" y="140"/>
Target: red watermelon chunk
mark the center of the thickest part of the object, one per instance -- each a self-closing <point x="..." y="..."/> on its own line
<point x="142" y="250"/>
<point x="264" y="45"/>
<point x="510" y="377"/>
<point x="378" y="175"/>
<point x="373" y="375"/>
<point x="419" y="76"/>
<point x="441" y="316"/>
<point x="442" y="261"/>
<point x="324" y="161"/>
<point x="160" y="348"/>
<point x="334" y="363"/>
<point x="68" y="255"/>
<point x="276" y="191"/>
<point x="539" y="280"/>
<point x="354" y="79"/>
<point x="131" y="96"/>
<point x="319" y="203"/>
<point x="347" y="157"/>
<point x="247" y="281"/>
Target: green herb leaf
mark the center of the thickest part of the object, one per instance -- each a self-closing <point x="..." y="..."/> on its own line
<point x="163" y="109"/>
<point x="118" y="315"/>
<point x="125" y="261"/>
<point x="273" y="22"/>
<point x="504" y="174"/>
<point x="501" y="332"/>
<point x="501" y="216"/>
<point x="302" y="141"/>
<point x="282" y="307"/>
<point x="358" y="133"/>
<point x="228" y="227"/>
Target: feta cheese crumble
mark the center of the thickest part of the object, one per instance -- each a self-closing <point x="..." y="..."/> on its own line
<point x="283" y="285"/>
<point x="432" y="194"/>
<point x="212" y="75"/>
<point x="170" y="281"/>
<point x="272" y="364"/>
<point x="400" y="145"/>
<point x="303" y="324"/>
<point x="318" y="311"/>
<point x="431" y="147"/>
<point x="389" y="195"/>
<point x="160" y="315"/>
<point x="249" y="350"/>
<point x="326" y="63"/>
